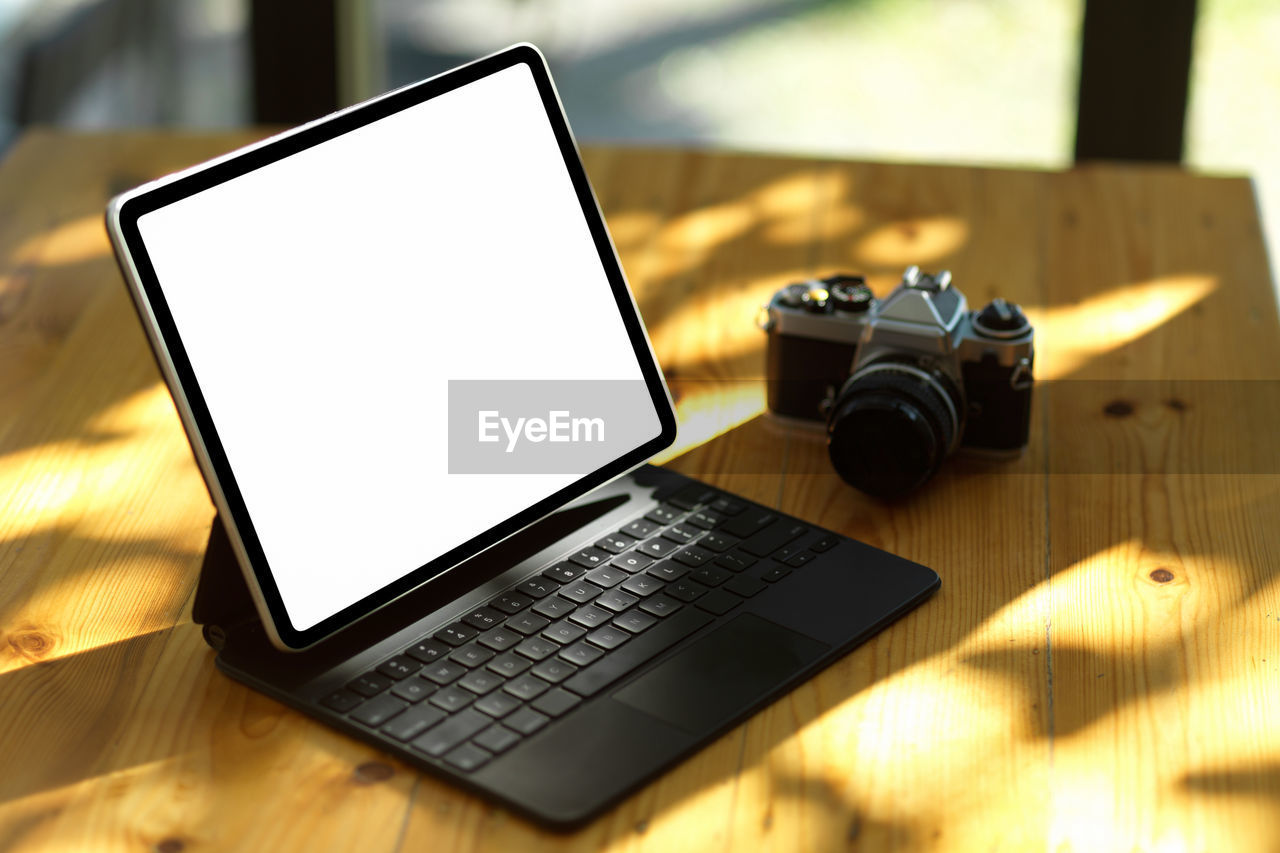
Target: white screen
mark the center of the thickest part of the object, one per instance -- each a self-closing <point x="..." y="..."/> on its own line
<point x="325" y="301"/>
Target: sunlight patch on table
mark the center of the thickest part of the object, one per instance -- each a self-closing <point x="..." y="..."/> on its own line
<point x="77" y="240"/>
<point x="1069" y="336"/>
<point x="918" y="240"/>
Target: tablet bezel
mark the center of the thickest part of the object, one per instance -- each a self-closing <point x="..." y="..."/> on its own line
<point x="123" y="214"/>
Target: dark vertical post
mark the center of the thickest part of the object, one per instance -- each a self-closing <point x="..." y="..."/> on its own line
<point x="1135" y="64"/>
<point x="293" y="45"/>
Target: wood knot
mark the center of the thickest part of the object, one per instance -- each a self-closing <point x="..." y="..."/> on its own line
<point x="372" y="772"/>
<point x="30" y="643"/>
<point x="1161" y="575"/>
<point x="1118" y="409"/>
<point x="1177" y="405"/>
<point x="170" y="845"/>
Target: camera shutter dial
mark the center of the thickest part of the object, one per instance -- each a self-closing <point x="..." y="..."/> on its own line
<point x="850" y="293"/>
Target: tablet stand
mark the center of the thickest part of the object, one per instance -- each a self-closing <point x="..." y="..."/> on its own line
<point x="222" y="599"/>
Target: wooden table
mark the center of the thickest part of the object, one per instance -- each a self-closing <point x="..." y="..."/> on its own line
<point x="1101" y="670"/>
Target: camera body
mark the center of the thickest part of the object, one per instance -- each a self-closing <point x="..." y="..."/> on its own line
<point x="901" y="382"/>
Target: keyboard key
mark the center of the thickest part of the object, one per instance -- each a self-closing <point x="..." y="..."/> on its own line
<point x="640" y="528"/>
<point x="444" y="672"/>
<point x="692" y="556"/>
<point x="773" y="537"/>
<point x="428" y="651"/>
<point x="538" y="587"/>
<point x="497" y="704"/>
<point x="484" y="618"/>
<point x="686" y="590"/>
<point x="663" y="514"/>
<point x="500" y="639"/>
<point x="511" y="602"/>
<point x="564" y="632"/>
<point x="480" y="681"/>
<point x="468" y="757"/>
<point x="716" y="542"/>
<point x="748" y="523"/>
<point x="528" y="623"/>
<point x="745" y="585"/>
<point x="668" y="571"/>
<point x="554" y="607"/>
<point x="375" y="712"/>
<point x="580" y="654"/>
<point x="471" y="654"/>
<point x="608" y="637"/>
<point x="615" y="543"/>
<point x="798" y="560"/>
<point x="526" y="687"/>
<point x="826" y="543"/>
<point x="370" y="684"/>
<point x="413" y="722"/>
<point x="727" y="506"/>
<point x="656" y="547"/>
<point x="342" y="701"/>
<point x="785" y="553"/>
<point x="452" y="698"/>
<point x="591" y="616"/>
<point x="681" y="533"/>
<point x="691" y="495"/>
<point x="399" y="667"/>
<point x="632" y="561"/>
<point x="660" y="605"/>
<point x="554" y="670"/>
<point x="737" y="561"/>
<point x="444" y="737"/>
<point x="719" y="602"/>
<point x="643" y="585"/>
<point x="553" y="703"/>
<point x="607" y="576"/>
<point x="580" y="591"/>
<point x="509" y="664"/>
<point x="497" y="738"/>
<point x="642" y="648"/>
<point x="526" y="721"/>
<point x="616" y="600"/>
<point x="536" y="648"/>
<point x="413" y="689"/>
<point x="706" y="520"/>
<point x="710" y="575"/>
<point x="456" y="634"/>
<point x="776" y="574"/>
<point x="635" y="621"/>
<point x="590" y="557"/>
<point x="563" y="572"/>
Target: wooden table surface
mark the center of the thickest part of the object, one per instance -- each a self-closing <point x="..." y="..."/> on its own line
<point x="1101" y="670"/>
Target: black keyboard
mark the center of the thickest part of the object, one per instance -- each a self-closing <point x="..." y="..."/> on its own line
<point x="500" y="672"/>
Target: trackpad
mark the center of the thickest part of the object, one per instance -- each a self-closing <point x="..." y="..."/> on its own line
<point x="722" y="674"/>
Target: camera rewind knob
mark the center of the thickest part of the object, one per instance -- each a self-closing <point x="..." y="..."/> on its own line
<point x="1000" y="319"/>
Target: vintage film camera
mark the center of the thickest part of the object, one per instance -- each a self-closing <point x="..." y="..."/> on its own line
<point x="901" y="382"/>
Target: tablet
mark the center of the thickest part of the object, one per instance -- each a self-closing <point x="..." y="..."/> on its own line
<point x="395" y="336"/>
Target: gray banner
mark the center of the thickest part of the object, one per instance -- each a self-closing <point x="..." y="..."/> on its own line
<point x="545" y="426"/>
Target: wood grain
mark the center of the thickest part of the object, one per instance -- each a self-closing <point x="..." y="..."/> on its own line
<point x="1097" y="672"/>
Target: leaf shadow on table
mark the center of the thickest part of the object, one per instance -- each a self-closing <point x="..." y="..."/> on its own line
<point x="72" y="712"/>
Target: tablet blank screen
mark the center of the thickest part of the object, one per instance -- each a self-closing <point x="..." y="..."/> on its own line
<point x="326" y="300"/>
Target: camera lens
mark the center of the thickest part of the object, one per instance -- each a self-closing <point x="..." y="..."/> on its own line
<point x="891" y="426"/>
